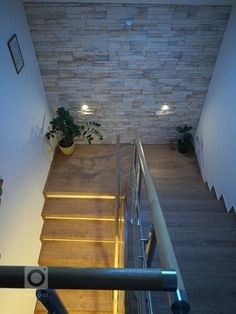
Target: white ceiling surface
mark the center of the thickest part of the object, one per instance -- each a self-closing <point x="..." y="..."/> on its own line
<point x="178" y="2"/>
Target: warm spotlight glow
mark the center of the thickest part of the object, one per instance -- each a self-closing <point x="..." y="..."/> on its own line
<point x="76" y="195"/>
<point x="82" y="218"/>
<point x="84" y="108"/>
<point x="164" y="110"/>
<point x="77" y="240"/>
<point x="165" y="107"/>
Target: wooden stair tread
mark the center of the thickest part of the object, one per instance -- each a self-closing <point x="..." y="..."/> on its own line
<point x="213" y="220"/>
<point x="59" y="207"/>
<point x="192" y="205"/>
<point x="78" y="254"/>
<point x="78" y="230"/>
<point x="83" y="301"/>
<point x="88" y="169"/>
<point x="185" y="195"/>
<point x="79" y="221"/>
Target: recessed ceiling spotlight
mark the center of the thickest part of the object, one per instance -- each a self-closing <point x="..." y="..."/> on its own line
<point x="128" y="22"/>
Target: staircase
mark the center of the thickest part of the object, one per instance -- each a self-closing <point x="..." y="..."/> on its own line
<point x="79" y="224"/>
<point x="201" y="230"/>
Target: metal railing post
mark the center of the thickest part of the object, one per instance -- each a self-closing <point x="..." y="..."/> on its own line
<point x="179" y="302"/>
<point x="51" y="301"/>
<point x="139" y="180"/>
<point x="150" y="247"/>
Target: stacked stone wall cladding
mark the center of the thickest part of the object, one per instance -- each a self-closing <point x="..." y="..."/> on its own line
<point x="88" y="55"/>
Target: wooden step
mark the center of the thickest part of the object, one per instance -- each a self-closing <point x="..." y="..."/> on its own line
<point x="78" y="208"/>
<point x="88" y="169"/>
<point x="75" y="230"/>
<point x="185" y="194"/>
<point x="83" y="301"/>
<point x="212" y="220"/>
<point x="163" y="153"/>
<point x="186" y="188"/>
<point x="175" y="174"/>
<point x="77" y="254"/>
<point x="192" y="205"/>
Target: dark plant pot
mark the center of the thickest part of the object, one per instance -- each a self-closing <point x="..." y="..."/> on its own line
<point x="66" y="142"/>
<point x="183" y="147"/>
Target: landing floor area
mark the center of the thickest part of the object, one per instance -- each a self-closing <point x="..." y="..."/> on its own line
<point x="90" y="170"/>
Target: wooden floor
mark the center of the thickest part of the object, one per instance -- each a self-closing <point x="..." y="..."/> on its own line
<point x="202" y="232"/>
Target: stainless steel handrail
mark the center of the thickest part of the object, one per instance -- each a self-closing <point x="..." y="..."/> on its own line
<point x="165" y="248"/>
<point x="144" y="300"/>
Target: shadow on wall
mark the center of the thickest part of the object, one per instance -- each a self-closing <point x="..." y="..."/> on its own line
<point x="37" y="135"/>
<point x="198" y="146"/>
<point x="25" y="168"/>
<point x="26" y="160"/>
<point x="38" y="152"/>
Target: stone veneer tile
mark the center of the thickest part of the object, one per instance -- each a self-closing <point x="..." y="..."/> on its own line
<point x="88" y="55"/>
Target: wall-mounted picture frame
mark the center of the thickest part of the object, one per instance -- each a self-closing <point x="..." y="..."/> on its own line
<point x="15" y="52"/>
<point x="1" y="182"/>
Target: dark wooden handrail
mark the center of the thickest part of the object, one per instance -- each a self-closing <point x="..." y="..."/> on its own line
<point x="93" y="278"/>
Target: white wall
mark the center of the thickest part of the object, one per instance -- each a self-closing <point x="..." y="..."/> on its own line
<point x="215" y="139"/>
<point x="25" y="156"/>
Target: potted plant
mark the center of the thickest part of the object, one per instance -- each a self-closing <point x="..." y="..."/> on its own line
<point x="66" y="129"/>
<point x="185" y="139"/>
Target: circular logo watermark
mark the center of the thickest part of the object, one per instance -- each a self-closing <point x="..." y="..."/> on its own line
<point x="36" y="277"/>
